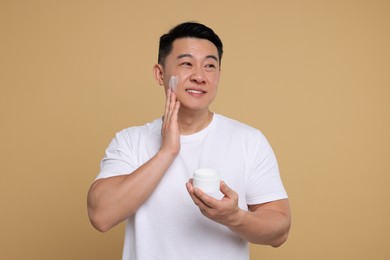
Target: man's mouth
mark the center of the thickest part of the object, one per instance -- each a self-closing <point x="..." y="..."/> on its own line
<point x="195" y="91"/>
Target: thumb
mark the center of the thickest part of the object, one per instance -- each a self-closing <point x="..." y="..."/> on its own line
<point x="228" y="192"/>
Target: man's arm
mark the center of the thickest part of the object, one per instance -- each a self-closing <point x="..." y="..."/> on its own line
<point x="112" y="200"/>
<point x="266" y="224"/>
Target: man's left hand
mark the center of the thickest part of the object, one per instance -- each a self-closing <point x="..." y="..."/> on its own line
<point x="224" y="211"/>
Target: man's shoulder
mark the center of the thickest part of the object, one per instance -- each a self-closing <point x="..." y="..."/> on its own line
<point x="235" y="125"/>
<point x="140" y="130"/>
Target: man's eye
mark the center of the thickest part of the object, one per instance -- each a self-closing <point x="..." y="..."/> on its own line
<point x="210" y="66"/>
<point x="186" y="64"/>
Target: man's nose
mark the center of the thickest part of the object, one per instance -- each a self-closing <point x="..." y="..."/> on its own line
<point x="198" y="76"/>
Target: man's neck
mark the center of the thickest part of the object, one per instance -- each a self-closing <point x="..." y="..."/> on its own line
<point x="193" y="122"/>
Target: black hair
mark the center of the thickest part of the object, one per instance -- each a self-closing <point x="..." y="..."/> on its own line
<point x="190" y="30"/>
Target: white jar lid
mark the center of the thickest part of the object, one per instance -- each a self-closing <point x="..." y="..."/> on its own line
<point x="206" y="174"/>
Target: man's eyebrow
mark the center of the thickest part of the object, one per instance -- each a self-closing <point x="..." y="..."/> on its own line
<point x="190" y="56"/>
<point x="212" y="57"/>
<point x="184" y="56"/>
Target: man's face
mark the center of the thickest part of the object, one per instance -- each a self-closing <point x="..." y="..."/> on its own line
<point x="196" y="63"/>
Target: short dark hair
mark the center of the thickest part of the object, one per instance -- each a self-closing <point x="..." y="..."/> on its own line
<point x="190" y="30"/>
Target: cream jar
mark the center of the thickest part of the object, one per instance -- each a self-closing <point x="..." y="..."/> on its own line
<point x="207" y="180"/>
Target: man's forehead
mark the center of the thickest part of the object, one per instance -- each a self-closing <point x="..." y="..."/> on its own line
<point x="187" y="47"/>
<point x="190" y="42"/>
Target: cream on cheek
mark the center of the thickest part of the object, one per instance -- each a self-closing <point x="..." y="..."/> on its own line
<point x="173" y="83"/>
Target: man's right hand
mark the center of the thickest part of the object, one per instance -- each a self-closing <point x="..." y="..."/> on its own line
<point x="170" y="142"/>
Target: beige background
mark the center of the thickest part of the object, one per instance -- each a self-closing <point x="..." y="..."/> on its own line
<point x="314" y="76"/>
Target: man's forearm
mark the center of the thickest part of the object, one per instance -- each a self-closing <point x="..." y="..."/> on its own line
<point x="265" y="226"/>
<point x="114" y="199"/>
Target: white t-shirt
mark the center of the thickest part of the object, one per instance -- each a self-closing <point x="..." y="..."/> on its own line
<point x="169" y="225"/>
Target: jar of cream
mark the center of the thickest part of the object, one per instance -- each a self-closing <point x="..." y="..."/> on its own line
<point x="207" y="180"/>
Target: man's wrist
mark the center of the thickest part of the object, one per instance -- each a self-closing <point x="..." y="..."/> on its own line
<point x="166" y="155"/>
<point x="237" y="219"/>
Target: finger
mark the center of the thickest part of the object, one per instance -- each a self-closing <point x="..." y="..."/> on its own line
<point x="171" y="105"/>
<point x="191" y="191"/>
<point x="207" y="200"/>
<point x="167" y="104"/>
<point x="228" y="192"/>
<point x="175" y="111"/>
<point x="172" y="101"/>
<point x="201" y="199"/>
<point x="189" y="186"/>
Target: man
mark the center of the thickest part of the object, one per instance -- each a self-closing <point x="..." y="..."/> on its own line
<point x="145" y="176"/>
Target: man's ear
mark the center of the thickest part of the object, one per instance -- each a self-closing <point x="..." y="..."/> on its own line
<point x="158" y="74"/>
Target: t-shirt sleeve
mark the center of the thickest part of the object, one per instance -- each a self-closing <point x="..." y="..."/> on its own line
<point x="264" y="183"/>
<point x="119" y="157"/>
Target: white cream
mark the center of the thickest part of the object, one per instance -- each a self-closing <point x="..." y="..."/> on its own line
<point x="173" y="83"/>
